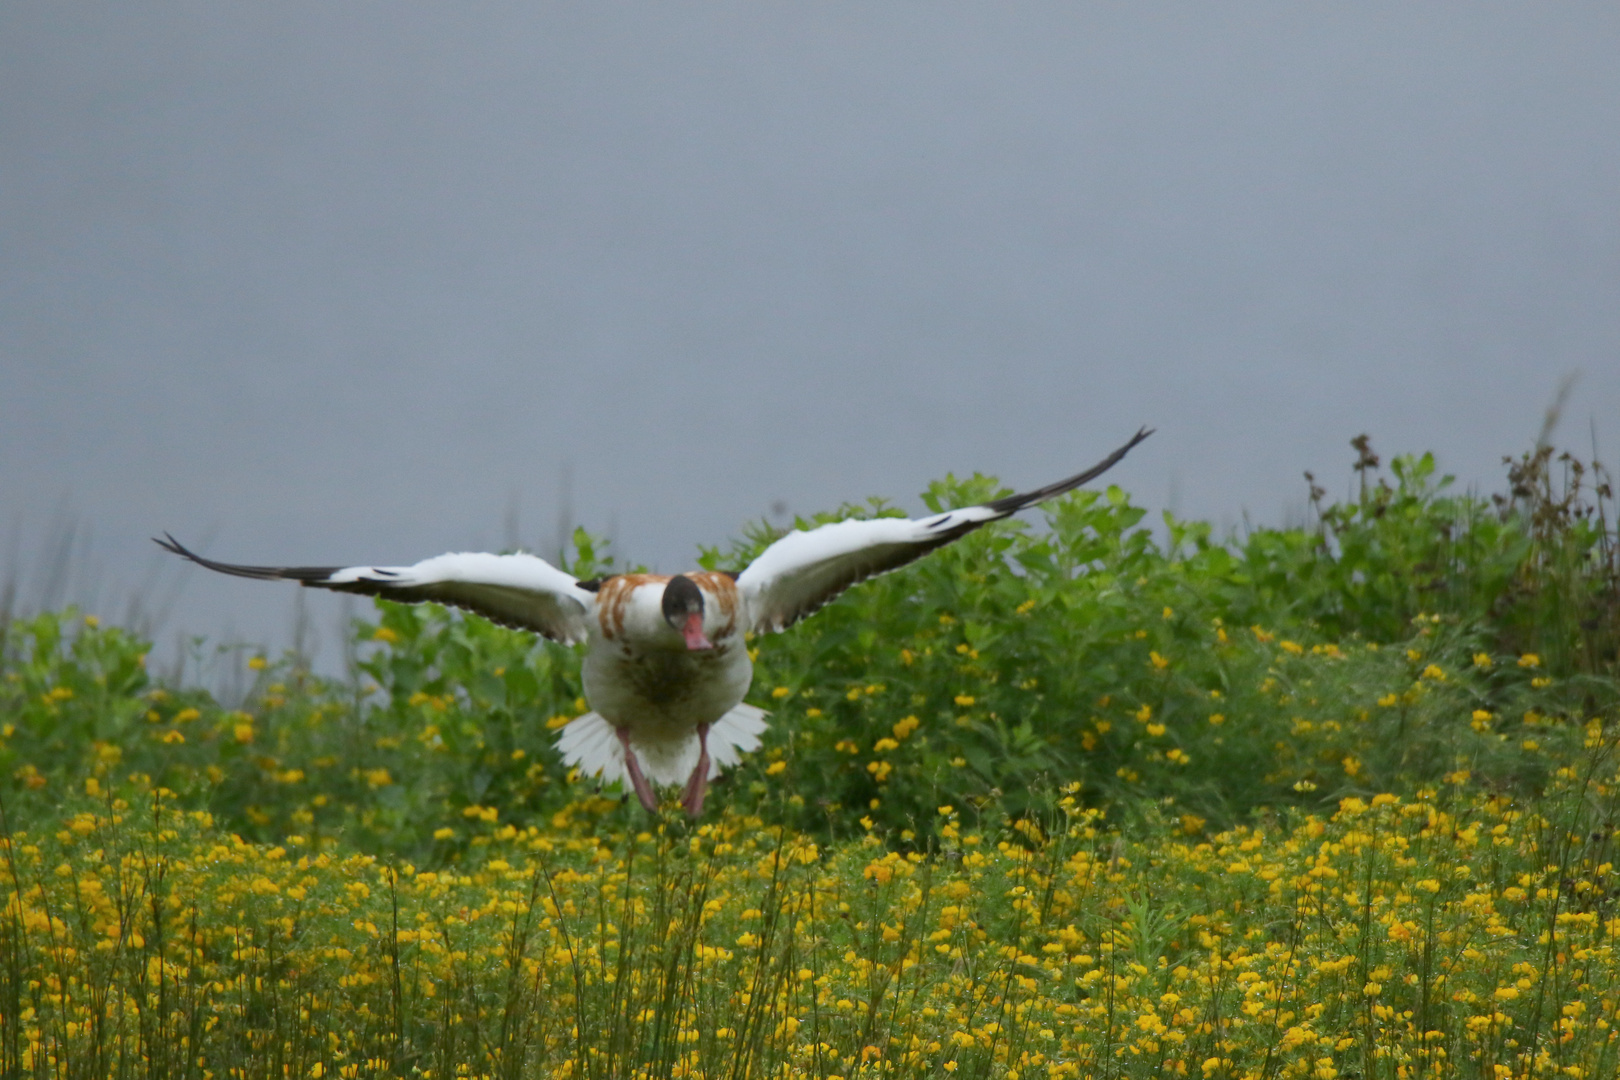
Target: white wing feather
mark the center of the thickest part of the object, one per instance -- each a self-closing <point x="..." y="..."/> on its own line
<point x="518" y="590"/>
<point x="522" y="591"/>
<point x="805" y="569"/>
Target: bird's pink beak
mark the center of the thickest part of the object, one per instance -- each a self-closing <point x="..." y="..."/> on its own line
<point x="693" y="633"/>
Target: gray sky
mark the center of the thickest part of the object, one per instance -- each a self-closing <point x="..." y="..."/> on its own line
<point x="356" y="282"/>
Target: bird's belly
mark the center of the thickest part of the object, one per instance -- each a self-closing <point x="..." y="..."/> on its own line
<point x="665" y="690"/>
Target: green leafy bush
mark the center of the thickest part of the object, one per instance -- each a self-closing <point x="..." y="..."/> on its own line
<point x="1019" y="659"/>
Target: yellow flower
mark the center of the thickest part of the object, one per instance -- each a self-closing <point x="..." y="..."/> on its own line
<point x="1157" y="661"/>
<point x="257" y="663"/>
<point x="444" y="833"/>
<point x="905" y="726"/>
<point x="776" y="768"/>
<point x="964" y="700"/>
<point x="1217" y="719"/>
<point x="558" y="721"/>
<point x="1529" y="659"/>
<point x="383" y="633"/>
<point x="780" y="692"/>
<point x="1482" y="660"/>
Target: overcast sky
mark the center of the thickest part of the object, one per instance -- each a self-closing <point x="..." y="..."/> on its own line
<point x="328" y="282"/>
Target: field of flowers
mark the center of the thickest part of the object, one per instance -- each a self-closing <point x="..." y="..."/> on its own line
<point x="1329" y="802"/>
<point x="1449" y="934"/>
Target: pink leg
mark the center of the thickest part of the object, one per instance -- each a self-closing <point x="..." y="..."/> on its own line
<point x="699" y="783"/>
<point x="644" y="790"/>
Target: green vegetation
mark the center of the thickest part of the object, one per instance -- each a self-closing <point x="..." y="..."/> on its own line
<point x="1333" y="800"/>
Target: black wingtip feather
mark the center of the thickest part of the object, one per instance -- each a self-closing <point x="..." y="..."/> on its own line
<point x="1013" y="503"/>
<point x="307" y="575"/>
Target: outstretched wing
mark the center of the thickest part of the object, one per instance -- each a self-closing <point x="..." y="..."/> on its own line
<point x="804" y="570"/>
<point x="520" y="591"/>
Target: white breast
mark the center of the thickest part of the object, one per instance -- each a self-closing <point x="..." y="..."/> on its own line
<point x="639" y="675"/>
<point x="641" y="678"/>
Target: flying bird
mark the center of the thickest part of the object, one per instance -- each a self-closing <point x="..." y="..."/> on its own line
<point x="666" y="663"/>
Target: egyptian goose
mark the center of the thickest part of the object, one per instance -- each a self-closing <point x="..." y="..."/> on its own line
<point x="666" y="664"/>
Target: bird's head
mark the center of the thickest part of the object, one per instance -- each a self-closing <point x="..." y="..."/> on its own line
<point x="683" y="610"/>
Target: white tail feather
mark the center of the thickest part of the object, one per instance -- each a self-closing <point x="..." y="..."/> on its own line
<point x="733" y="735"/>
<point x="590" y="744"/>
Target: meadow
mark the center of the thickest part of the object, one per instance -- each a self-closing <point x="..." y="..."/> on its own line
<point x="1059" y="800"/>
